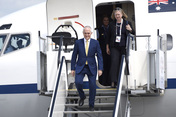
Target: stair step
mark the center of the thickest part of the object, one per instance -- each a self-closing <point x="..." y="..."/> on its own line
<point x="107" y="92"/>
<point x="97" y="90"/>
<point x="78" y="112"/>
<point x="97" y="97"/>
<point x="87" y="105"/>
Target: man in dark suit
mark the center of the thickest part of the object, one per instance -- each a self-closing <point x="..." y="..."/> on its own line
<point x="84" y="62"/>
<point x="104" y="79"/>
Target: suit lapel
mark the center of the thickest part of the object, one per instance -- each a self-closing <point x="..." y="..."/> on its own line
<point x="83" y="46"/>
<point x="90" y="46"/>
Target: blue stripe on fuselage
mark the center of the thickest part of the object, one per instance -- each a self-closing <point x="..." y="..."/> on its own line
<point x="19" y="88"/>
<point x="171" y="84"/>
<point x="32" y="88"/>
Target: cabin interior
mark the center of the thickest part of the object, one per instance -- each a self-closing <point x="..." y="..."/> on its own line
<point x="105" y="9"/>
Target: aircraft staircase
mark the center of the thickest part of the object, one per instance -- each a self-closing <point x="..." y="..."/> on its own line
<point x="104" y="103"/>
<point x="65" y="98"/>
<point x="109" y="102"/>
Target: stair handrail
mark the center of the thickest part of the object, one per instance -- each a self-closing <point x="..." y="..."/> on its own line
<point x="56" y="88"/>
<point x="44" y="44"/>
<point x="124" y="69"/>
<point x="119" y="86"/>
<point x="129" y="43"/>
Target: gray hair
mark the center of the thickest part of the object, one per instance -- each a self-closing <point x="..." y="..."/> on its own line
<point x="87" y="27"/>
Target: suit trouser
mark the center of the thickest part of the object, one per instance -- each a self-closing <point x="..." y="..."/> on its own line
<point x="92" y="84"/>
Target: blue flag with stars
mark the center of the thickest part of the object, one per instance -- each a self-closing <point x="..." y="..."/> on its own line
<point x="161" y="5"/>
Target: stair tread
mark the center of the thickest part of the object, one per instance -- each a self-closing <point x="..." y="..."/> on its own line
<point x="107" y="93"/>
<point x="96" y="104"/>
<point x="95" y="111"/>
<point x="97" y="97"/>
<point x="98" y="90"/>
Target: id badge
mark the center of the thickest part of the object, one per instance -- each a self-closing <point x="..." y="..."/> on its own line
<point x="118" y="39"/>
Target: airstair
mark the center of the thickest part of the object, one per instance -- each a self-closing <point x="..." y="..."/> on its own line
<point x="109" y="102"/>
<point x="65" y="101"/>
<point x="104" y="103"/>
<point x="65" y="98"/>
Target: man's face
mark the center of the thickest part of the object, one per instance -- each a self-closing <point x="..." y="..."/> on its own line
<point x="105" y="21"/>
<point x="87" y="33"/>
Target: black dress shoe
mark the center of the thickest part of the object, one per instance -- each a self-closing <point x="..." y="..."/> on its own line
<point x="81" y="101"/>
<point x="91" y="108"/>
<point x="113" y="86"/>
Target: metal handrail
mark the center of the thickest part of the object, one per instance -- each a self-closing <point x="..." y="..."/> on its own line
<point x="60" y="45"/>
<point x="41" y="38"/>
<point x="119" y="86"/>
<point x="128" y="44"/>
<point x="56" y="88"/>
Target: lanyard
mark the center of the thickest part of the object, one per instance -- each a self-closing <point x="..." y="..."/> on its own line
<point x="120" y="31"/>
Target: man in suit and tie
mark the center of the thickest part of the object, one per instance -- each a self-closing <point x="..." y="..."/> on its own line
<point x="84" y="62"/>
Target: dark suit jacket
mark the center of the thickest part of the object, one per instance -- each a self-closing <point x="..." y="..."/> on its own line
<point x="112" y="33"/>
<point x="79" y="56"/>
<point x="102" y="38"/>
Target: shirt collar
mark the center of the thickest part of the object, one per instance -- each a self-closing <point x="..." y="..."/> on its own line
<point x="88" y="40"/>
<point x="105" y="27"/>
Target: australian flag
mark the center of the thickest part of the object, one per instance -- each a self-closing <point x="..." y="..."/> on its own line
<point x="161" y="5"/>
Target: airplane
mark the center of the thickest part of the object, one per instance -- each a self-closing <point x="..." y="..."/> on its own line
<point x="18" y="45"/>
<point x="35" y="71"/>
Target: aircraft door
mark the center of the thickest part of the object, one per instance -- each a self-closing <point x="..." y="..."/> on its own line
<point x="103" y="18"/>
<point x="77" y="13"/>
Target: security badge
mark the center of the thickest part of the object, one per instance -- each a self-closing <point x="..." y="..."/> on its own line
<point x="118" y="38"/>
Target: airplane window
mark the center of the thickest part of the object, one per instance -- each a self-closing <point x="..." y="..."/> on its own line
<point x="2" y="39"/>
<point x="17" y="41"/>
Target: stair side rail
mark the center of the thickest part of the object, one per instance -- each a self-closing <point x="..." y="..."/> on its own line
<point x="60" y="91"/>
<point x="41" y="66"/>
<point x="121" y="86"/>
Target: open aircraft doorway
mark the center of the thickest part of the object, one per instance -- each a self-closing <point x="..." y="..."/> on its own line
<point x="105" y="10"/>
